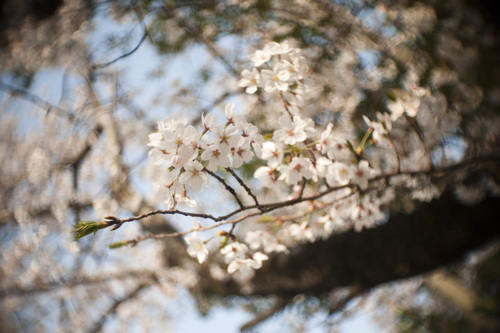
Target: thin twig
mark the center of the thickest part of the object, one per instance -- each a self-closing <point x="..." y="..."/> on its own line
<point x="303" y="187"/>
<point x="316" y="207"/>
<point x="245" y="186"/>
<point x="138" y="239"/>
<point x="10" y="291"/>
<point x="196" y="34"/>
<point x="230" y="232"/>
<point x="273" y="206"/>
<point x="285" y="104"/>
<point x="420" y="136"/>
<point x="398" y="159"/>
<point x="143" y="38"/>
<point x="37" y="100"/>
<point x="112" y="309"/>
<point x="280" y="304"/>
<point x="228" y="188"/>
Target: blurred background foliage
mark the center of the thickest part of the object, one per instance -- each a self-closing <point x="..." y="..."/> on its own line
<point x="76" y="148"/>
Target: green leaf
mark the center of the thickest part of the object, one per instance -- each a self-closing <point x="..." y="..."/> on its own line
<point x="84" y="228"/>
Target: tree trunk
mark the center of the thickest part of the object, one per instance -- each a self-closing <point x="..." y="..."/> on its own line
<point x="436" y="234"/>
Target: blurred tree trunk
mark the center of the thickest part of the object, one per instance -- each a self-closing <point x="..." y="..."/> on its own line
<point x="434" y="235"/>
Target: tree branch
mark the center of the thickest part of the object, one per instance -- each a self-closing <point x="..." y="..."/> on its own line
<point x="37" y="100"/>
<point x="198" y="35"/>
<point x="143" y="38"/>
<point x="228" y="188"/>
<point x="281" y="303"/>
<point x="112" y="309"/>
<point x="82" y="281"/>
<point x="265" y="208"/>
<point x="242" y="183"/>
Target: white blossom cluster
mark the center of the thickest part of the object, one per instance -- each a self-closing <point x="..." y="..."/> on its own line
<point x="301" y="158"/>
<point x="188" y="154"/>
<point x="277" y="67"/>
<point x="298" y="152"/>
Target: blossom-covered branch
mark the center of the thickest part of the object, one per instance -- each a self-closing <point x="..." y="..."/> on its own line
<point x="332" y="180"/>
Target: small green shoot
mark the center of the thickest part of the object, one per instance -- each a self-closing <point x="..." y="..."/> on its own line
<point x="84" y="228"/>
<point x="117" y="245"/>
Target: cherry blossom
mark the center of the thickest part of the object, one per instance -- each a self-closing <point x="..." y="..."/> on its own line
<point x="165" y="190"/>
<point x="242" y="152"/>
<point x="194" y="176"/>
<point x="362" y="173"/>
<point x="267" y="176"/>
<point x="260" y="57"/>
<point x="183" y="199"/>
<point x="338" y="174"/>
<point x="196" y="248"/>
<point x="246" y="265"/>
<point x="278" y="48"/>
<point x="262" y="239"/>
<point x="272" y="153"/>
<point x="250" y="80"/>
<point x="301" y="158"/>
<point x="216" y="156"/>
<point x="226" y="136"/>
<point x="275" y="79"/>
<point x="297" y="169"/>
<point x="251" y="132"/>
<point x="230" y="115"/>
<point x="208" y="121"/>
<point x="234" y="251"/>
<point x="291" y="131"/>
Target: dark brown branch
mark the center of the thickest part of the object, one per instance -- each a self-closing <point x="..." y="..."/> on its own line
<point x="302" y="188"/>
<point x="242" y="183"/>
<point x="143" y="38"/>
<point x="228" y="188"/>
<point x="138" y="239"/>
